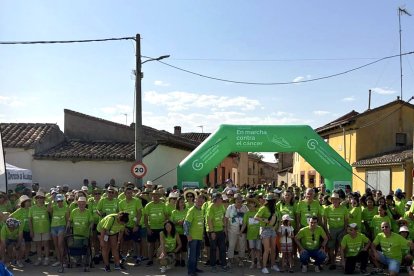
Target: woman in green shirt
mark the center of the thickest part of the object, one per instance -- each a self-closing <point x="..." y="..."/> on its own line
<point x="40" y="228"/>
<point x="59" y="214"/>
<point x="178" y="217"/>
<point x="22" y="214"/>
<point x="170" y="244"/>
<point x="111" y="229"/>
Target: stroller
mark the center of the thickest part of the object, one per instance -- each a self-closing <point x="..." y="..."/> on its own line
<point x="78" y="248"/>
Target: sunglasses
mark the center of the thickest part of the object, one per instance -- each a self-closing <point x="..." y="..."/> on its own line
<point x="313" y="237"/>
<point x="190" y="196"/>
<point x="309" y="208"/>
<point x="111" y="192"/>
<point x="384" y="227"/>
<point x="96" y="194"/>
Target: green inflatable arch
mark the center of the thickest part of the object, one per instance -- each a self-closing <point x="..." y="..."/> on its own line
<point x="260" y="138"/>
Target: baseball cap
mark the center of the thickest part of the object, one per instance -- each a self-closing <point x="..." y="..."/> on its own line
<point x="60" y="197"/>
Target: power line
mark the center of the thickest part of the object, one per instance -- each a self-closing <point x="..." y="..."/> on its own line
<point x="272" y="60"/>
<point x="283" y="83"/>
<point x="64" y="41"/>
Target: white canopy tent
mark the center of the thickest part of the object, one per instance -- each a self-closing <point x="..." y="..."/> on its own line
<point x="16" y="175"/>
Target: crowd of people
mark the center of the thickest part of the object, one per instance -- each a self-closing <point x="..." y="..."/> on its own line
<point x="268" y="227"/>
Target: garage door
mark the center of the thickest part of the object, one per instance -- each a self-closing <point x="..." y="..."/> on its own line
<point x="379" y="180"/>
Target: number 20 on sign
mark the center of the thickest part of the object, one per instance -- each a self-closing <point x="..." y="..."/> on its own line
<point x="138" y="169"/>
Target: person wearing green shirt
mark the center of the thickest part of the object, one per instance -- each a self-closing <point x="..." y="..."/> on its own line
<point x="40" y="228"/>
<point x="170" y="244"/>
<point x="177" y="217"/>
<point x="354" y="248"/>
<point x="154" y="218"/>
<point x="253" y="230"/>
<point x="171" y="202"/>
<point x="12" y="242"/>
<point x="355" y="213"/>
<point x="377" y="220"/>
<point x="391" y="246"/>
<point x="307" y="208"/>
<point x="194" y="229"/>
<point x="267" y="217"/>
<point x="108" y="205"/>
<point x="189" y="196"/>
<point x="133" y="207"/>
<point x="111" y="229"/>
<point x="60" y="215"/>
<point x="335" y="219"/>
<point x="407" y="258"/>
<point x="92" y="206"/>
<point x="22" y="214"/>
<point x="309" y="245"/>
<point x="216" y="231"/>
<point x="368" y="213"/>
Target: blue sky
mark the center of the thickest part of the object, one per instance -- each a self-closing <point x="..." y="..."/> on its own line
<point x="254" y="41"/>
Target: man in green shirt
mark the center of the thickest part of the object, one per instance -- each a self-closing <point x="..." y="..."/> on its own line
<point x="216" y="231"/>
<point x="391" y="246"/>
<point x="193" y="229"/>
<point x="309" y="245"/>
<point x="354" y="248"/>
<point x="307" y="208"/>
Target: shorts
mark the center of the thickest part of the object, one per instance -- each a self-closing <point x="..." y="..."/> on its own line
<point x="286" y="247"/>
<point x="267" y="232"/>
<point x="26" y="236"/>
<point x="393" y="265"/>
<point x="155" y="235"/>
<point x="57" y="230"/>
<point x="336" y="236"/>
<point x="41" y="237"/>
<point x="255" y="244"/>
<point x="184" y="242"/>
<point x="132" y="236"/>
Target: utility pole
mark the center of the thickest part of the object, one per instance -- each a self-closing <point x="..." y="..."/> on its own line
<point x="138" y="106"/>
<point x="401" y="11"/>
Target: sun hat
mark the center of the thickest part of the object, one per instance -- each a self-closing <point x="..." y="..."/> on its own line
<point x="335" y="195"/>
<point x="216" y="196"/>
<point x="82" y="198"/>
<point x="40" y="194"/>
<point x="189" y="192"/>
<point x="60" y="197"/>
<point x="353" y="225"/>
<point x="173" y="195"/>
<point x="23" y="198"/>
<point x="403" y="229"/>
<point x="84" y="188"/>
<point x="149" y="183"/>
<point x="287" y="217"/>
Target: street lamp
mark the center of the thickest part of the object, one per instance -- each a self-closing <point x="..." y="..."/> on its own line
<point x="138" y="102"/>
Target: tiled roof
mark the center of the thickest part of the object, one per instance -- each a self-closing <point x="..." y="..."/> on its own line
<point x="22" y="135"/>
<point x="345" y="119"/>
<point x="196" y="136"/>
<point x="390" y="158"/>
<point x="79" y="150"/>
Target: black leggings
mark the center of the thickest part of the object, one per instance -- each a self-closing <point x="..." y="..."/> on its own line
<point x="350" y="262"/>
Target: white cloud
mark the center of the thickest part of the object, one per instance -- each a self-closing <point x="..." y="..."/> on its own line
<point x="383" y="91"/>
<point x="348" y="99"/>
<point x="180" y="101"/>
<point x="12" y="101"/>
<point x="297" y="79"/>
<point x="161" y="83"/>
<point x="321" y="112"/>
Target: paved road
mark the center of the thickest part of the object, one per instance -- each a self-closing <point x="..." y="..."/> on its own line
<point x="143" y="270"/>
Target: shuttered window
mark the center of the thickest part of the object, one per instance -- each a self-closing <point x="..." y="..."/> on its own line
<point x="379" y="180"/>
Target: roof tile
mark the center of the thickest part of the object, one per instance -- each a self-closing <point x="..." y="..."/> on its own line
<point x="21" y="135"/>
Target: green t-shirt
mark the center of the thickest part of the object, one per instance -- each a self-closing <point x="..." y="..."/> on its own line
<point x="7" y="234"/>
<point x="170" y="243"/>
<point x="335" y="217"/>
<point x="376" y="223"/>
<point x="93" y="206"/>
<point x="354" y="245"/>
<point x="156" y="214"/>
<point x="355" y="216"/>
<point x="305" y="211"/>
<point x="22" y="214"/>
<point x="40" y="219"/>
<point x="58" y="216"/>
<point x="81" y="221"/>
<point x="169" y="209"/>
<point x="216" y="215"/>
<point x="107" y="207"/>
<point x="177" y="216"/>
<point x="410" y="224"/>
<point x="310" y="240"/>
<point x="263" y="213"/>
<point x="131" y="207"/>
<point x="286" y="209"/>
<point x="196" y="219"/>
<point x="253" y="226"/>
<point x="392" y="246"/>
<point x="110" y="224"/>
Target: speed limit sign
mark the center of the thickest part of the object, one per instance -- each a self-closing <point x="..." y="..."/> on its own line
<point x="138" y="169"/>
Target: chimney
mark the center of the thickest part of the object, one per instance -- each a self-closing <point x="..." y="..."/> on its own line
<point x="177" y="130"/>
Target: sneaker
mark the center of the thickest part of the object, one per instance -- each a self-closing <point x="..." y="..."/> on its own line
<point x="28" y="261"/>
<point x="251" y="266"/>
<point x="225" y="268"/>
<point x="304" y="268"/>
<point x="107" y="268"/>
<point x="19" y="264"/>
<point x="199" y="270"/>
<point x="122" y="266"/>
<point x="143" y="258"/>
<point x="46" y="261"/>
<point x="38" y="262"/>
<point x="150" y="263"/>
<point x="317" y="270"/>
<point x="275" y="268"/>
<point x="207" y="263"/>
<point x="117" y="267"/>
<point x="364" y="272"/>
<point x="163" y="269"/>
<point x="265" y="270"/>
<point x="56" y="264"/>
<point x="137" y="262"/>
<point x="182" y="263"/>
<point x="241" y="263"/>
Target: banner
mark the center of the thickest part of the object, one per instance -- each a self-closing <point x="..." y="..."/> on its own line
<point x="3" y="179"/>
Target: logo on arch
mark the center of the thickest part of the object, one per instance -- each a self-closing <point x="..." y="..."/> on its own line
<point x="312" y="144"/>
<point x="197" y="165"/>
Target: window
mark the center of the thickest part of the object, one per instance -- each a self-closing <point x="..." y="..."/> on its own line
<point x="379" y="180"/>
<point x="401" y="139"/>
